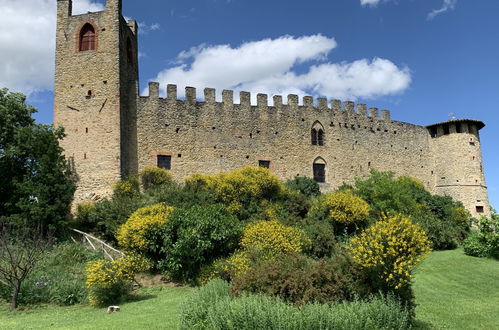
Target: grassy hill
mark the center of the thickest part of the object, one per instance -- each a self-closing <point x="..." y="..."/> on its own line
<point x="453" y="291"/>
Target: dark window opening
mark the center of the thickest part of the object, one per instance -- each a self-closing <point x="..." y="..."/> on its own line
<point x="87" y="38"/>
<point x="480" y="209"/>
<point x="320" y="137"/>
<point x="314" y="137"/>
<point x="320" y="173"/>
<point x="458" y="128"/>
<point x="86" y="130"/>
<point x="85" y="155"/>
<point x="433" y="132"/>
<point x="264" y="163"/>
<point x="165" y="162"/>
<point x="472" y="143"/>
<point x="446" y="130"/>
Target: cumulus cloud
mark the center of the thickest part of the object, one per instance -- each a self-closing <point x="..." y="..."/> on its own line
<point x="286" y="65"/>
<point x="446" y="6"/>
<point x="369" y="2"/>
<point x="27" y="56"/>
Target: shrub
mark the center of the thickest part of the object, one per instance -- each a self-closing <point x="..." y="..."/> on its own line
<point x="272" y="238"/>
<point x="109" y="282"/>
<point x="193" y="237"/>
<point x="60" y="277"/>
<point x="388" y="250"/>
<point x="445" y="220"/>
<point x="106" y="216"/>
<point x="307" y="186"/>
<point x="343" y="209"/>
<point x="484" y="241"/>
<point x="153" y="176"/>
<point x="180" y="196"/>
<point x="128" y="188"/>
<point x="211" y="308"/>
<point x="322" y="237"/>
<point x="131" y="235"/>
<point x="298" y="279"/>
<point x="241" y="190"/>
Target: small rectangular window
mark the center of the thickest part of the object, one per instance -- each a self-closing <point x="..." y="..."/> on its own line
<point x="446" y="129"/>
<point x="458" y="128"/>
<point x="320" y="173"/>
<point x="264" y="163"/>
<point x="479" y="209"/>
<point x="165" y="162"/>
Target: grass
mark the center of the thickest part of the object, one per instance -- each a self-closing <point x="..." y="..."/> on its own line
<point x="155" y="309"/>
<point x="455" y="291"/>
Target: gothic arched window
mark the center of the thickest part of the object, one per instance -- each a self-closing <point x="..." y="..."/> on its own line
<point x="317" y="134"/>
<point x="87" y="38"/>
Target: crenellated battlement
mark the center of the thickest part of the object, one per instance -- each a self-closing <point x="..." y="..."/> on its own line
<point x="347" y="108"/>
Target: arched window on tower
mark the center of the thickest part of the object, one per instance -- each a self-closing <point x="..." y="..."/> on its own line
<point x="319" y="169"/>
<point x="129" y="51"/>
<point x="87" y="38"/>
<point x="317" y="134"/>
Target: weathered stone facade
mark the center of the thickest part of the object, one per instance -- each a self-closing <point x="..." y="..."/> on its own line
<point x="114" y="132"/>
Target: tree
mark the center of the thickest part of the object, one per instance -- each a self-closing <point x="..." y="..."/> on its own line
<point x="36" y="188"/>
<point x="19" y="254"/>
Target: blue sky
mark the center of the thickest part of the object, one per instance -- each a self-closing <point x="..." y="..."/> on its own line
<point x="422" y="59"/>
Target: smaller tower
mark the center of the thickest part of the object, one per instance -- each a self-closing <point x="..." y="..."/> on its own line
<point x="458" y="167"/>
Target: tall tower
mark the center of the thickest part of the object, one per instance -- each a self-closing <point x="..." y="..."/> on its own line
<point x="458" y="170"/>
<point x="96" y="90"/>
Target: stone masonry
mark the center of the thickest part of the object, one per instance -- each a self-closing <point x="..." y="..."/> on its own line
<point x="113" y="132"/>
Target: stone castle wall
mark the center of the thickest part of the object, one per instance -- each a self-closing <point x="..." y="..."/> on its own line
<point x="210" y="137"/>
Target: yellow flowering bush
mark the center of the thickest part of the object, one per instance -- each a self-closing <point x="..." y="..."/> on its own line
<point x="109" y="281"/>
<point x="238" y="188"/>
<point x="126" y="188"/>
<point x="390" y="248"/>
<point x="342" y="207"/>
<point x="153" y="176"/>
<point x="131" y="235"/>
<point x="271" y="238"/>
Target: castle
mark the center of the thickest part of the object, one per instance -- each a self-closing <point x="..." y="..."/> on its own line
<point x="113" y="132"/>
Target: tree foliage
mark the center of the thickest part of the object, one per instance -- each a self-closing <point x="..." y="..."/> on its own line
<point x="36" y="188"/>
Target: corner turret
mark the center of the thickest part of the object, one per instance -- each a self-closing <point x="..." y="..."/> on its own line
<point x="458" y="168"/>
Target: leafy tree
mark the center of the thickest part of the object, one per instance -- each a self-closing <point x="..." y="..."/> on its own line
<point x="35" y="186"/>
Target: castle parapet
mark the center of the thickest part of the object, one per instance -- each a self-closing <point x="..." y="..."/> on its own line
<point x="347" y="108"/>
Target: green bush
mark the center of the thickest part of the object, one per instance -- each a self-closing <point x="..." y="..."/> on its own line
<point x="445" y="220"/>
<point x="180" y="196"/>
<point x="210" y="307"/>
<point x="60" y="277"/>
<point x="484" y="241"/>
<point x="298" y="279"/>
<point x="153" y="176"/>
<point x="105" y="217"/>
<point x="322" y="237"/>
<point x="307" y="186"/>
<point x="193" y="237"/>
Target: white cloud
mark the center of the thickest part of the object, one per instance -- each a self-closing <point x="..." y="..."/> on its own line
<point x="27" y="45"/>
<point x="369" y="2"/>
<point x="446" y="6"/>
<point x="270" y="66"/>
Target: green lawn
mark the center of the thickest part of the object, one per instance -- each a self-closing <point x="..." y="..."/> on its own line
<point x="454" y="291"/>
<point x="157" y="309"/>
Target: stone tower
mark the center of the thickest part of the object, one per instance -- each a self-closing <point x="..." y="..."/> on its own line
<point x="96" y="88"/>
<point x="455" y="146"/>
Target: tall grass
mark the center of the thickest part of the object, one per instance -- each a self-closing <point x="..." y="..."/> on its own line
<point x="211" y="307"/>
